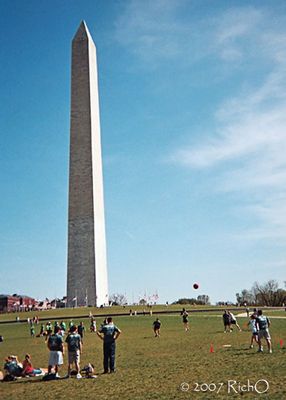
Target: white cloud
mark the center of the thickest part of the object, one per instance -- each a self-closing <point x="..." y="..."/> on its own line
<point x="150" y="30"/>
<point x="157" y="31"/>
<point x="246" y="147"/>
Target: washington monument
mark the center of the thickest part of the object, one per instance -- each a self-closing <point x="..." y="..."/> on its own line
<point x="87" y="269"/>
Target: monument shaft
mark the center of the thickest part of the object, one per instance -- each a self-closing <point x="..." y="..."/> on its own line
<point x="87" y="270"/>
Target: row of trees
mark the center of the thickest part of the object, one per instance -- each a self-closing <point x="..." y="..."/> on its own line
<point x="267" y="294"/>
<point x="200" y="300"/>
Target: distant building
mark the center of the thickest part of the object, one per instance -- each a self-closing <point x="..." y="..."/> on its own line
<point x="58" y="303"/>
<point x="15" y="302"/>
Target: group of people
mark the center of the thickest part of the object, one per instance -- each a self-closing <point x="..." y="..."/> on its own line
<point x="108" y="332"/>
<point x="14" y="369"/>
<point x="258" y="323"/>
<point x="56" y="343"/>
<point x="229" y="320"/>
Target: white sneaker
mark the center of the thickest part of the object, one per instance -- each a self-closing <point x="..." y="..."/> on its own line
<point x="270" y="351"/>
<point x="78" y="376"/>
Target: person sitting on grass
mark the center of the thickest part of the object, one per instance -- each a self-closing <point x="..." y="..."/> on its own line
<point x="88" y="371"/>
<point x="28" y="368"/>
<point x="56" y="347"/>
<point x="254" y="330"/>
<point x="74" y="343"/>
<point x="13" y="368"/>
<point x="156" y="327"/>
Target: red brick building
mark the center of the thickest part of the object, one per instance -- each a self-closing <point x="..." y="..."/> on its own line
<point x="16" y="302"/>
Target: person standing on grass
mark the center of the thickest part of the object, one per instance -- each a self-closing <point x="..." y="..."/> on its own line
<point x="49" y="329"/>
<point x="262" y="324"/>
<point x="80" y="330"/>
<point x="63" y="327"/>
<point x="56" y="347"/>
<point x="233" y="321"/>
<point x="156" y="327"/>
<point x="32" y="330"/>
<point x="92" y="325"/>
<point x="254" y="330"/>
<point x="109" y="333"/>
<point x="74" y="343"/>
<point x="185" y="317"/>
<point x="226" y="322"/>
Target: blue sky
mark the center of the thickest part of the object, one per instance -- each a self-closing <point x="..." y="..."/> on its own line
<point x="193" y="116"/>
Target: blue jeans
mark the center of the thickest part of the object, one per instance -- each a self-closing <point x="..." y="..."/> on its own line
<point x="109" y="356"/>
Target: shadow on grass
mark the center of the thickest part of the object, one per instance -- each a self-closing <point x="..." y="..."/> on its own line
<point x="27" y="380"/>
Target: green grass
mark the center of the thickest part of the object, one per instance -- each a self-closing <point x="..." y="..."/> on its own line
<point x="149" y="368"/>
<point x="83" y="311"/>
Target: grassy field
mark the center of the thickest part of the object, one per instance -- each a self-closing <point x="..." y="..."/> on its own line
<point x="178" y="365"/>
<point x="84" y="312"/>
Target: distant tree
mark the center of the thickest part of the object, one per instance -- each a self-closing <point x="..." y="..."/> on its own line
<point x="185" y="301"/>
<point x="200" y="300"/>
<point x="246" y="296"/>
<point x="267" y="294"/>
<point x="142" y="302"/>
<point x="117" y="299"/>
<point x="203" y="299"/>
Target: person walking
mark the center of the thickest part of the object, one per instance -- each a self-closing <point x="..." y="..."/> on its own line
<point x="185" y="317"/>
<point x="109" y="333"/>
<point x="254" y="330"/>
<point x="156" y="327"/>
<point x="262" y="324"/>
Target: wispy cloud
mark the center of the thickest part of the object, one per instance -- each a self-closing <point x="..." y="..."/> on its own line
<point x="150" y="30"/>
<point x="246" y="147"/>
<point x="157" y="31"/>
<point x="248" y="142"/>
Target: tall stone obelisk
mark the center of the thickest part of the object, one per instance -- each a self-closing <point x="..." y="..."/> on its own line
<point x="87" y="269"/>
